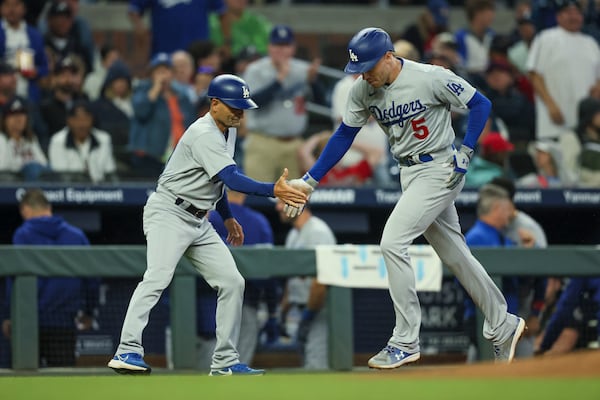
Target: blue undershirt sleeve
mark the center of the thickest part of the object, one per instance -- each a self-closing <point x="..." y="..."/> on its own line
<point x="235" y="180"/>
<point x="336" y="147"/>
<point x="223" y="208"/>
<point x="479" y="107"/>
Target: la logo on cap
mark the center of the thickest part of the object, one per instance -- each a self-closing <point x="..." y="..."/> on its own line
<point x="353" y="56"/>
<point x="245" y="92"/>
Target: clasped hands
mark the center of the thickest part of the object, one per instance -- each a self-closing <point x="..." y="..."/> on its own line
<point x="294" y="193"/>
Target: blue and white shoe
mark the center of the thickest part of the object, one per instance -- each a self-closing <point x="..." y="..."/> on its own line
<point x="129" y="363"/>
<point x="505" y="352"/>
<point x="236" y="369"/>
<point x="392" y="357"/>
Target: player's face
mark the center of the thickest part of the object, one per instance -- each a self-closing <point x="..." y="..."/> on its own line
<point x="379" y="75"/>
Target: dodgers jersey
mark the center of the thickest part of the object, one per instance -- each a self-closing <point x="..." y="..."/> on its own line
<point x="201" y="153"/>
<point x="414" y="110"/>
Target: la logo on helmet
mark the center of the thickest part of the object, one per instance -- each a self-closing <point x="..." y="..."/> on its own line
<point x="353" y="56"/>
<point x="245" y="92"/>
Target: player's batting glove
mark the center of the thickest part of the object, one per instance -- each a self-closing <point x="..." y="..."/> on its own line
<point x="462" y="158"/>
<point x="307" y="185"/>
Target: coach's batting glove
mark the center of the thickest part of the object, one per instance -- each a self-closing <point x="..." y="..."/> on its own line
<point x="462" y="158"/>
<point x="307" y="185"/>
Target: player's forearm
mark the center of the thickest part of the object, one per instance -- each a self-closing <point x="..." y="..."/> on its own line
<point x="239" y="182"/>
<point x="479" y="111"/>
<point x="333" y="152"/>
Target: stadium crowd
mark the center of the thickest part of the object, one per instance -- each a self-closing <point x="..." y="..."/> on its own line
<point x="72" y="110"/>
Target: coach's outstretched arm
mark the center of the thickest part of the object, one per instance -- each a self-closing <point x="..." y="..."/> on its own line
<point x="479" y="107"/>
<point x="235" y="180"/>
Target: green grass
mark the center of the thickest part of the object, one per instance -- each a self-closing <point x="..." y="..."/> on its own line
<point x="364" y="386"/>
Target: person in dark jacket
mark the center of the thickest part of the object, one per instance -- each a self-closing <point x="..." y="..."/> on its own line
<point x="113" y="110"/>
<point x="64" y="304"/>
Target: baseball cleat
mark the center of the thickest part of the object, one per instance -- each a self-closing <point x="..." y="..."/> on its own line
<point x="392" y="357"/>
<point x="505" y="352"/>
<point x="236" y="369"/>
<point x="129" y="363"/>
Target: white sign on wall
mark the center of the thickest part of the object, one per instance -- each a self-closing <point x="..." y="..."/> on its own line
<point x="362" y="266"/>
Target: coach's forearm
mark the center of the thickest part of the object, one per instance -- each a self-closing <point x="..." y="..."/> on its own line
<point x="239" y="182"/>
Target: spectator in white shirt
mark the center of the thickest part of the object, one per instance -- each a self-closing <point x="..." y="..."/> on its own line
<point x="23" y="153"/>
<point x="79" y="147"/>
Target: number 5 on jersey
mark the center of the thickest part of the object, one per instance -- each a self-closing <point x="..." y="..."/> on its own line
<point x="420" y="129"/>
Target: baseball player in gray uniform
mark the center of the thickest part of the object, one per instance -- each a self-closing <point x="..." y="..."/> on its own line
<point x="411" y="102"/>
<point x="174" y="224"/>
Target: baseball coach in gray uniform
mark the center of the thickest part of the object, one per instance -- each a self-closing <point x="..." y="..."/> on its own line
<point x="411" y="103"/>
<point x="174" y="224"/>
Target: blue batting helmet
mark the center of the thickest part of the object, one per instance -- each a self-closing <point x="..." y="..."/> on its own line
<point x="366" y="48"/>
<point x="232" y="91"/>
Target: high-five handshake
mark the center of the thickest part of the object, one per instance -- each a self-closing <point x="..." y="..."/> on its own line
<point x="306" y="185"/>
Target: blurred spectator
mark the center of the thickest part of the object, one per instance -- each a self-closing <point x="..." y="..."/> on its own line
<point x="306" y="293"/>
<point x="258" y="233"/>
<point x="8" y="91"/>
<point x="183" y="73"/>
<point x="444" y="52"/>
<point x="236" y="29"/>
<point x="81" y="148"/>
<point x="509" y="104"/>
<point x="370" y="135"/>
<point x="65" y="305"/>
<point x="589" y="132"/>
<point x="491" y="160"/>
<point x="495" y="211"/>
<point x="22" y="46"/>
<point x="556" y="53"/>
<point x="280" y="86"/>
<point x="95" y="79"/>
<point x="23" y="153"/>
<point x="348" y="174"/>
<point x="525" y="231"/>
<point x="519" y="51"/>
<point x="80" y="29"/>
<point x="573" y="297"/>
<point x="550" y="171"/>
<point x="61" y="40"/>
<point x="433" y="20"/>
<point x="474" y="41"/>
<point x="405" y="49"/>
<point x="66" y="88"/>
<point x="202" y="79"/>
<point x="205" y="54"/>
<point x="246" y="56"/>
<point x="162" y="112"/>
<point x="3" y="150"/>
<point x="191" y="18"/>
<point x="113" y="111"/>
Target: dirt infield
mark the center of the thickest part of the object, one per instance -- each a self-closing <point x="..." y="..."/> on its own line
<point x="583" y="364"/>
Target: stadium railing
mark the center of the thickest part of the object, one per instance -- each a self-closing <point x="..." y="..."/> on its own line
<point x="26" y="263"/>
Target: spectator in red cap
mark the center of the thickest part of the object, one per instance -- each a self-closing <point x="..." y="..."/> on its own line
<point x="491" y="160"/>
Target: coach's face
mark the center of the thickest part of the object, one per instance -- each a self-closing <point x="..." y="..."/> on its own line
<point x="226" y="116"/>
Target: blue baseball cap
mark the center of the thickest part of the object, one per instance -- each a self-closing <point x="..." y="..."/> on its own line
<point x="440" y="10"/>
<point x="160" y="59"/>
<point x="281" y="34"/>
<point x="366" y="48"/>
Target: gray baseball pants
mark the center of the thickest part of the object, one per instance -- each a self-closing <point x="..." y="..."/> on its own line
<point x="171" y="233"/>
<point x="427" y="208"/>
